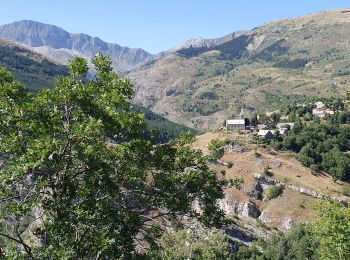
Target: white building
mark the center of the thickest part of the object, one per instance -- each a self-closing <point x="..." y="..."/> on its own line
<point x="320" y="105"/>
<point x="321" y="110"/>
<point x="236" y="124"/>
<point x="283" y="130"/>
<point x="267" y="134"/>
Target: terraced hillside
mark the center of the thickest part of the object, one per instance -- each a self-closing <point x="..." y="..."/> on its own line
<point x="260" y="69"/>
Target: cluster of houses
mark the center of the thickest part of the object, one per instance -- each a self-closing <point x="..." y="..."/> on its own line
<point x="281" y="129"/>
<point x="321" y="110"/>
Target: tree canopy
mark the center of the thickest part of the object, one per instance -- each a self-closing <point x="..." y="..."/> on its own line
<point x="78" y="179"/>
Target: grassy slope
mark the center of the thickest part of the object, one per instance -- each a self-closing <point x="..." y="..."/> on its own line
<point x="266" y="67"/>
<point x="291" y="204"/>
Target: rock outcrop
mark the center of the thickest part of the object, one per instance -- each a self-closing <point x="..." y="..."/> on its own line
<point x="246" y="209"/>
<point x="266" y="182"/>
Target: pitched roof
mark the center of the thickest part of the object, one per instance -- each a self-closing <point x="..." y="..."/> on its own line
<point x="263" y="132"/>
<point x="319" y="104"/>
<point x="235" y="122"/>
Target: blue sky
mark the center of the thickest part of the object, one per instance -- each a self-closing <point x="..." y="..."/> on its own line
<point x="157" y="25"/>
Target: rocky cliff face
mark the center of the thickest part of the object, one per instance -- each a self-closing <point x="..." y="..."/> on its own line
<point x="41" y="36"/>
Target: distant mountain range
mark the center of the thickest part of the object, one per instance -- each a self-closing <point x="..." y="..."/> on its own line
<point x="37" y="73"/>
<point x="203" y="81"/>
<point x="61" y="46"/>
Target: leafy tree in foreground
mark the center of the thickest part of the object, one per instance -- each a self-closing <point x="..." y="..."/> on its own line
<point x="332" y="230"/>
<point x="188" y="245"/>
<point x="67" y="192"/>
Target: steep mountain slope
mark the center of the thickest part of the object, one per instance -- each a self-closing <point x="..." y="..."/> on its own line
<point x="201" y="86"/>
<point x="32" y="69"/>
<point x="54" y="42"/>
<point x="200" y="42"/>
<point x="36" y="72"/>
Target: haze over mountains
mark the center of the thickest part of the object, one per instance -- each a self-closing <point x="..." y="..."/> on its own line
<point x="61" y="46"/>
<point x="203" y="81"/>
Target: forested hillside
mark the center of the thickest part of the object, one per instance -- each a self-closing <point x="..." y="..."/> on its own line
<point x="28" y="67"/>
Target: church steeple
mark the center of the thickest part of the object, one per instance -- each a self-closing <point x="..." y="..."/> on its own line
<point x="241" y="115"/>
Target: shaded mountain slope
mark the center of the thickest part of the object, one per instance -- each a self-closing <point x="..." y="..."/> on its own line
<point x="30" y="68"/>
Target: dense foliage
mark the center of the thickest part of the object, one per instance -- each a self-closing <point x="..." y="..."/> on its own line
<point x="332" y="231"/>
<point x="192" y="245"/>
<point x="274" y="192"/>
<point x="321" y="144"/>
<point x="216" y="149"/>
<point x="161" y="128"/>
<point x="68" y="192"/>
<point x="296" y="244"/>
<point x="321" y="147"/>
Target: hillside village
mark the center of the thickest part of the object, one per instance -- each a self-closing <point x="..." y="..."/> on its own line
<point x="277" y="125"/>
<point x="235" y="147"/>
<point x="280" y="185"/>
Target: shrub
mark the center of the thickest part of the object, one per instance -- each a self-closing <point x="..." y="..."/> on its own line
<point x="274" y="192"/>
<point x="229" y="165"/>
<point x="346" y="189"/>
<point x="216" y="149"/>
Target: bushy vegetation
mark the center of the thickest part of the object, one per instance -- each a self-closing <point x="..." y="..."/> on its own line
<point x="68" y="193"/>
<point x="274" y="192"/>
<point x="296" y="244"/>
<point x="216" y="149"/>
<point x="332" y="231"/>
<point x="182" y="244"/>
<point x="321" y="146"/>
<point x="161" y="128"/>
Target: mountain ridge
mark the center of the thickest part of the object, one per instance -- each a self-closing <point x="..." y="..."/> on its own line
<point x="60" y="45"/>
<point x="260" y="69"/>
<point x="35" y="34"/>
